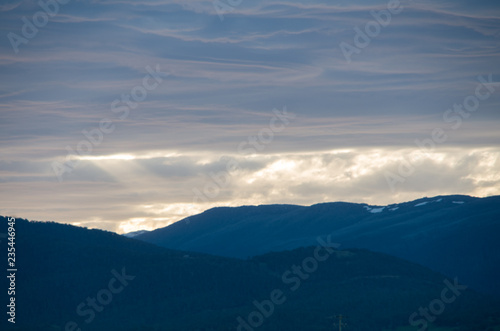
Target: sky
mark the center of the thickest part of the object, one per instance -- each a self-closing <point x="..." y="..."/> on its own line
<point x="127" y="115"/>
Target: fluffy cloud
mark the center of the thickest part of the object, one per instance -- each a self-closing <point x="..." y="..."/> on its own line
<point x="149" y="191"/>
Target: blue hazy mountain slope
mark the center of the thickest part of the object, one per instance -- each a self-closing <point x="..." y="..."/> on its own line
<point x="456" y="235"/>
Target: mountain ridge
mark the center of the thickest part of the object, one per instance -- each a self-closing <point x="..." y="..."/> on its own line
<point x="426" y="231"/>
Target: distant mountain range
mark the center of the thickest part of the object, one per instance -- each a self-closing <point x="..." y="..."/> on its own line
<point x="135" y="233"/>
<point x="456" y="235"/>
<point x="72" y="278"/>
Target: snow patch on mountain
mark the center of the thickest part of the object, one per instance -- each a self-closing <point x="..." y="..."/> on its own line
<point x="421" y="204"/>
<point x="426" y="202"/>
<point x="374" y="210"/>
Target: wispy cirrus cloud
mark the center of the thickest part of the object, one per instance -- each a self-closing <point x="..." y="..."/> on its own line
<point x="225" y="77"/>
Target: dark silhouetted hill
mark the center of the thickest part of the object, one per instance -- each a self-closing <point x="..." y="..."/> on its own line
<point x="60" y="266"/>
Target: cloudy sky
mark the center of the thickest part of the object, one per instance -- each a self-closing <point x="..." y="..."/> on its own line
<point x="127" y="115"/>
